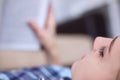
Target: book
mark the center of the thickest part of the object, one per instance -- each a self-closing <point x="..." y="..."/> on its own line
<point x="15" y="33"/>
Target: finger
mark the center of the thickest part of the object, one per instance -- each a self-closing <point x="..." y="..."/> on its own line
<point x="50" y="23"/>
<point x="38" y="31"/>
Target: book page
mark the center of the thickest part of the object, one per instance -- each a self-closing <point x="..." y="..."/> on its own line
<point x="15" y="34"/>
<point x="1" y="4"/>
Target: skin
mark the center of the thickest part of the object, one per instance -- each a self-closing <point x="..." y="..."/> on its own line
<point x="102" y="63"/>
<point x="47" y="37"/>
<point x="96" y="67"/>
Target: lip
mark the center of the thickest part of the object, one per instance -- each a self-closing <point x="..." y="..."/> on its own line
<point x="82" y="57"/>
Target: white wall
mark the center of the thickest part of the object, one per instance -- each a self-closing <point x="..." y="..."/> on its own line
<point x="114" y="16"/>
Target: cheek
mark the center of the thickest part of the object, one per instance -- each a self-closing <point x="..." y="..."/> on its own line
<point x="86" y="68"/>
<point x="76" y="70"/>
<point x="76" y="66"/>
<point x="79" y="69"/>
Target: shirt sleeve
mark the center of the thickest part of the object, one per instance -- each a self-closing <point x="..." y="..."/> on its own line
<point x="51" y="72"/>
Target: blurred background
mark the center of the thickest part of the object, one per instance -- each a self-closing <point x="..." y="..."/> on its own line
<point x="80" y="21"/>
<point x="90" y="17"/>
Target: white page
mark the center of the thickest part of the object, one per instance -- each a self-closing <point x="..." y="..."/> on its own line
<point x="1" y="1"/>
<point x="15" y="34"/>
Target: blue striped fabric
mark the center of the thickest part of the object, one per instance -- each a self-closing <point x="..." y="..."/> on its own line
<point x="51" y="72"/>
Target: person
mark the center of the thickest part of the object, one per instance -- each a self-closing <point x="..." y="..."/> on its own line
<point x="103" y="63"/>
<point x="50" y="71"/>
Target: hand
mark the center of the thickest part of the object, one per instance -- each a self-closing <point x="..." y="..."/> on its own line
<point x="47" y="36"/>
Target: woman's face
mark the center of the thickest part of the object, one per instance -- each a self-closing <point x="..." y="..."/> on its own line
<point x="103" y="63"/>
